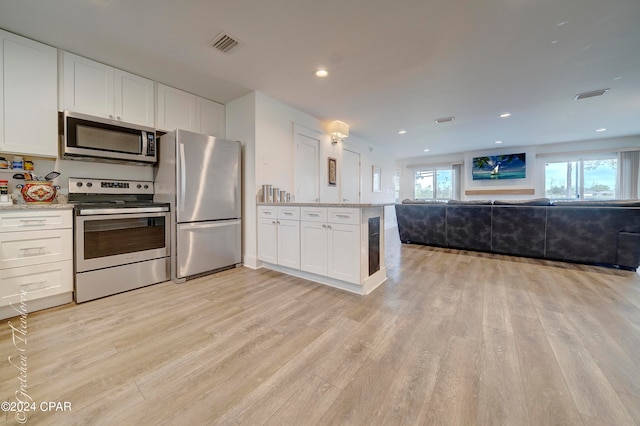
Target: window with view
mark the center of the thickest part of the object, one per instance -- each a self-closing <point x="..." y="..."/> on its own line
<point x="585" y="179"/>
<point x="433" y="184"/>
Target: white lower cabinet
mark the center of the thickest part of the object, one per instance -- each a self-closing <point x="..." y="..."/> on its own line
<point x="314" y="247"/>
<point x="279" y="236"/>
<point x="336" y="246"/>
<point x="36" y="259"/>
<point x="344" y="252"/>
<point x="35" y="282"/>
<point x="331" y="248"/>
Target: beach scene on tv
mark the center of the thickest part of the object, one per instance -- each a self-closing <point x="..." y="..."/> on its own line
<point x="510" y="166"/>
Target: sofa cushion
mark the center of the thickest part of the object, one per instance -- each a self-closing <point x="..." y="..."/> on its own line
<point x="533" y="202"/>
<point x="409" y="201"/>
<point x="471" y="202"/>
<point x="599" y="203"/>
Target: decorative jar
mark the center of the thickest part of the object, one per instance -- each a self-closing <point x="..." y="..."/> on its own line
<point x="35" y="191"/>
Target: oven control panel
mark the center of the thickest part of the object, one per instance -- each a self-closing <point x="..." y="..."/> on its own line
<point x="109" y="186"/>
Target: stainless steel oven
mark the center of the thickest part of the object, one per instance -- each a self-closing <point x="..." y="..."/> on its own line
<point x="121" y="241"/>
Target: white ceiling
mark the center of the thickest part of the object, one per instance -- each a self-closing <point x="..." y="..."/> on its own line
<point x="393" y="64"/>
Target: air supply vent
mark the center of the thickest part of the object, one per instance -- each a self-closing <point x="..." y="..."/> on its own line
<point x="586" y="95"/>
<point x="225" y="43"/>
<point x="444" y="120"/>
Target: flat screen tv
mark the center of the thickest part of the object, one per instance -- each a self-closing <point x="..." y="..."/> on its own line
<point x="510" y="166"/>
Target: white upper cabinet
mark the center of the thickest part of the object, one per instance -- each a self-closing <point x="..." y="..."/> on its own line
<point x="134" y="99"/>
<point x="93" y="88"/>
<point x="182" y="110"/>
<point x="176" y="109"/>
<point x="28" y="92"/>
<point x="210" y="117"/>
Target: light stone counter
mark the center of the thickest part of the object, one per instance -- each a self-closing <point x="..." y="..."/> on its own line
<point x="347" y="205"/>
<point x="36" y="206"/>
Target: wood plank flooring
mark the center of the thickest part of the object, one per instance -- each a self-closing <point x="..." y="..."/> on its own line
<point x="452" y="338"/>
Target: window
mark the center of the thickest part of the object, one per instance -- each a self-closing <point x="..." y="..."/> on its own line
<point x="587" y="178"/>
<point x="433" y="184"/>
<point x="396" y="184"/>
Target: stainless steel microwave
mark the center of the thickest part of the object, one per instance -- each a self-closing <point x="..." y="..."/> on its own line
<point x="96" y="138"/>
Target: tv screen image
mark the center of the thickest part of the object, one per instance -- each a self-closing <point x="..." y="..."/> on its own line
<point x="510" y="166"/>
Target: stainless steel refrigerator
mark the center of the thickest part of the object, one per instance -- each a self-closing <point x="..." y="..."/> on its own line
<point x="199" y="176"/>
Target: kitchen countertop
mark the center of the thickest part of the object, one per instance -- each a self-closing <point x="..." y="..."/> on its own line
<point x="350" y="205"/>
<point x="35" y="206"/>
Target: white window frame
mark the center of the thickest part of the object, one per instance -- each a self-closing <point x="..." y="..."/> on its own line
<point x="580" y="159"/>
<point x="433" y="170"/>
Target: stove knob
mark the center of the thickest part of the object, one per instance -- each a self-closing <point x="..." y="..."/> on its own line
<point x="79" y="184"/>
<point x="89" y="184"/>
<point x="138" y="186"/>
<point x="146" y="187"/>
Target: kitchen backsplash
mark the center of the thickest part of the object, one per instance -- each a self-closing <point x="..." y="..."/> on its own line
<point x="75" y="168"/>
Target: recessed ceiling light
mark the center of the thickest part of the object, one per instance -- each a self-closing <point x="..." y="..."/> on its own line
<point x="444" y="120"/>
<point x="559" y="24"/>
<point x="505" y="115"/>
<point x="402" y="132"/>
<point x="618" y="78"/>
<point x="601" y="129"/>
<point x="321" y="73"/>
<point x="426" y="150"/>
<point x="498" y="142"/>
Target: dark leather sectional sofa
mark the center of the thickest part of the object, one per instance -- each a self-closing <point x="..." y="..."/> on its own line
<point x="597" y="232"/>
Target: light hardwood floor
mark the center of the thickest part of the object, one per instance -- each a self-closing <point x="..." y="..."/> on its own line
<point x="451" y="338"/>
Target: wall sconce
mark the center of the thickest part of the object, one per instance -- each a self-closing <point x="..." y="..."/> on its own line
<point x="338" y="131"/>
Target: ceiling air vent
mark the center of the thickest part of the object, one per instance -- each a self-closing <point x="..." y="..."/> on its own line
<point x="444" y="120"/>
<point x="225" y="43"/>
<point x="586" y="95"/>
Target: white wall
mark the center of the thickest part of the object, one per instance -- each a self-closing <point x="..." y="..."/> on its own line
<point x="241" y="126"/>
<point x="535" y="165"/>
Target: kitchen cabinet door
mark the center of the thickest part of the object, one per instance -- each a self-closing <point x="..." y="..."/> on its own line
<point x="289" y="243"/>
<point x="344" y="252"/>
<point x="314" y="247"/>
<point x="210" y="117"/>
<point x="176" y="109"/>
<point x="134" y="99"/>
<point x="268" y="240"/>
<point x="87" y="86"/>
<point x="28" y="93"/>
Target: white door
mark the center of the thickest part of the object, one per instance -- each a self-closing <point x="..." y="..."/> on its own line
<point x="307" y="177"/>
<point x="210" y="118"/>
<point x="28" y="97"/>
<point x="289" y="243"/>
<point x="268" y="240"/>
<point x="350" y="182"/>
<point x="313" y="247"/>
<point x="344" y="252"/>
<point x="134" y="99"/>
<point x="88" y="86"/>
<point x="176" y="109"/>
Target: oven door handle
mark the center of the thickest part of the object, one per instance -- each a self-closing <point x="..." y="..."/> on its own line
<point x="183" y="179"/>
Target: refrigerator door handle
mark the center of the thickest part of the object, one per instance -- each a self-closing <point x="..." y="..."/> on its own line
<point x="183" y="179"/>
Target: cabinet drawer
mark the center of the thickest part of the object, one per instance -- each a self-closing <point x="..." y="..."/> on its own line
<point x="24" y="220"/>
<point x="314" y="214"/>
<point x="292" y="213"/>
<point x="36" y="282"/>
<point x="344" y="215"/>
<point x="19" y="249"/>
<point x="267" y="212"/>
